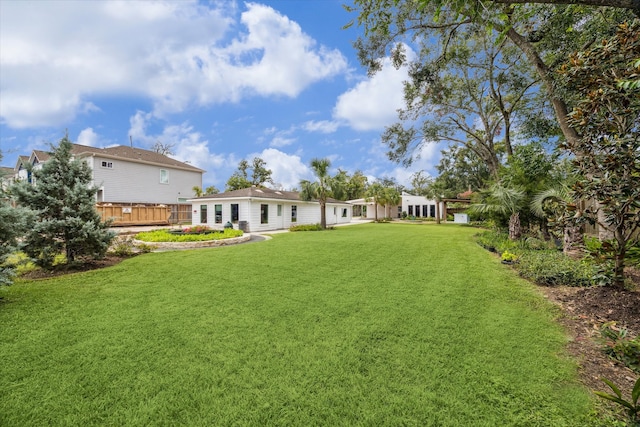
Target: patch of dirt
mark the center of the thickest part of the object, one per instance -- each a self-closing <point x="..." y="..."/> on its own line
<point x="584" y="311"/>
<point x="61" y="270"/>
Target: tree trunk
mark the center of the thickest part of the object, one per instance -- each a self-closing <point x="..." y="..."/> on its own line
<point x="323" y="215"/>
<point x="375" y="207"/>
<point x="559" y="106"/>
<point x="437" y="210"/>
<point x="544" y="229"/>
<point x="620" y="253"/>
<point x="572" y="239"/>
<point x="515" y="229"/>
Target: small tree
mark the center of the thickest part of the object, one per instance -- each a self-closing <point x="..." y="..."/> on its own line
<point x="498" y="199"/>
<point x="198" y="192"/>
<point x="375" y="193"/>
<point x="324" y="187"/>
<point x="64" y="202"/>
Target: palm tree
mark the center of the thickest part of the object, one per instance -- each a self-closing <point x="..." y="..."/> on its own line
<point x="375" y="192"/>
<point x="392" y="198"/>
<point x="321" y="189"/>
<point x="503" y="200"/>
<point x="558" y="202"/>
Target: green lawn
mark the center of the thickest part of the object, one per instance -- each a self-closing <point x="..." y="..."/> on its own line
<point x="377" y="324"/>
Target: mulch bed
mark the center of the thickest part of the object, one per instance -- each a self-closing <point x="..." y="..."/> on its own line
<point x="584" y="311"/>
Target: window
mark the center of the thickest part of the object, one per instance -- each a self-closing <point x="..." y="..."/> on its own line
<point x="424" y="211"/>
<point x="410" y="209"/>
<point x="417" y="210"/>
<point x="203" y="214"/>
<point x="218" y="214"/>
<point x="234" y="212"/>
<point x="279" y="210"/>
<point x="264" y="214"/>
<point x="432" y="209"/>
<point x="164" y="176"/>
<point x="344" y="212"/>
<point x="105" y="164"/>
<point x="294" y="213"/>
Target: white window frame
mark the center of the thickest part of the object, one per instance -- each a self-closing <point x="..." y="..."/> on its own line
<point x="164" y="176"/>
<point x="106" y="164"/>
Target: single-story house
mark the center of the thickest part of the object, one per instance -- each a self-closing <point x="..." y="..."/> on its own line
<point x="366" y="209"/>
<point x="418" y="206"/>
<point x="264" y="209"/>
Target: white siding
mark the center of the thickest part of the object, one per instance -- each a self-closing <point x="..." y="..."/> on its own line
<point x="307" y="213"/>
<point x="130" y="182"/>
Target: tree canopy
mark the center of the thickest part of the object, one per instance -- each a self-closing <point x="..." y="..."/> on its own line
<point x="250" y="174"/>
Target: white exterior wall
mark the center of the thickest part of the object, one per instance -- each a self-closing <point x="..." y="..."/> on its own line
<point x="411" y="200"/>
<point x="131" y="182"/>
<point x="250" y="211"/>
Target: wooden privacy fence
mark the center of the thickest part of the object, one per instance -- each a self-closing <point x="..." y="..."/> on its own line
<point x="127" y="215"/>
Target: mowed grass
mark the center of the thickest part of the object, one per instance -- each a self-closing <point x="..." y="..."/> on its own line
<point x="378" y="324"/>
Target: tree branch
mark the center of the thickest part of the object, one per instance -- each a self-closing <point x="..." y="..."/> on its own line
<point x="633" y="5"/>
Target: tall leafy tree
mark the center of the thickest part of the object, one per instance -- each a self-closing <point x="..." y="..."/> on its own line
<point x="544" y="33"/>
<point x="459" y="170"/>
<point x="324" y="187"/>
<point x="64" y="203"/>
<point x="608" y="152"/>
<point x="473" y="101"/>
<point x="250" y="174"/>
<point x="420" y="182"/>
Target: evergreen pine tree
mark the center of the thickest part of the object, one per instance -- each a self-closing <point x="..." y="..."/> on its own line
<point x="64" y="201"/>
<point x="13" y="223"/>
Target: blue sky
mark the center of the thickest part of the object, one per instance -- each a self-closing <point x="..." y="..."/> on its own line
<point x="220" y="80"/>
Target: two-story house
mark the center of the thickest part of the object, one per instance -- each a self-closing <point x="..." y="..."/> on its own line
<point x="128" y="178"/>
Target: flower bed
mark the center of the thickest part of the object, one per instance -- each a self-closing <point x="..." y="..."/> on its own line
<point x="202" y="237"/>
<point x="192" y="234"/>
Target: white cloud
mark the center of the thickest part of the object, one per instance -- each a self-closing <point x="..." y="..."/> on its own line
<point x="322" y="126"/>
<point x="177" y="54"/>
<point x="280" y="141"/>
<point x="288" y="169"/>
<point x="88" y="137"/>
<point x="373" y="103"/>
<point x="187" y="145"/>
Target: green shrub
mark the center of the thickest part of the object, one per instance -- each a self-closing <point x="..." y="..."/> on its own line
<point x="619" y="346"/>
<point x="493" y="241"/>
<point x="166" y="236"/>
<point x="145" y="248"/>
<point x="552" y="268"/>
<point x="631" y="406"/>
<point x="123" y="246"/>
<point x="509" y="257"/>
<point x="307" y="227"/>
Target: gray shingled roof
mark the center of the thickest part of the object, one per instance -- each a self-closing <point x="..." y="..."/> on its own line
<point x="134" y="154"/>
<point x="121" y="152"/>
<point x="255" y="192"/>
